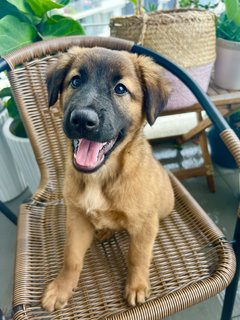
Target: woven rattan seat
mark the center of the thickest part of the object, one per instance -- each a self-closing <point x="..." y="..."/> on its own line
<point x="192" y="260"/>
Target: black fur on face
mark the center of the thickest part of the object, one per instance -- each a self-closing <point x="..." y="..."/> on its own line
<point x="93" y="107"/>
<point x="96" y="75"/>
<point x="104" y="94"/>
<point x="94" y="103"/>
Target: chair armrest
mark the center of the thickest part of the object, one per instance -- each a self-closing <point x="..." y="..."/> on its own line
<point x="231" y="140"/>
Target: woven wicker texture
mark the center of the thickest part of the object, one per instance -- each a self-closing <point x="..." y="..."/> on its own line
<point x="185" y="36"/>
<point x="45" y="123"/>
<point x="192" y="260"/>
<point x="42" y="48"/>
<point x="232" y="142"/>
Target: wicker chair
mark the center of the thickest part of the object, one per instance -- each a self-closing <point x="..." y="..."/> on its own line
<point x="192" y="260"/>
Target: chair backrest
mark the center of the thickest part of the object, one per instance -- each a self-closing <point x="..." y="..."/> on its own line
<point x="27" y="77"/>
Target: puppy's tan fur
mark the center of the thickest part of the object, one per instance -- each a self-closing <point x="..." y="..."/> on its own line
<point x="130" y="191"/>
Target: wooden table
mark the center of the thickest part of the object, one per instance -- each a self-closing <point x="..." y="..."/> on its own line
<point x="226" y="101"/>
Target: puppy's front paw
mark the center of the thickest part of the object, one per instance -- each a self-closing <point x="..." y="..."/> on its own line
<point x="137" y="293"/>
<point x="56" y="295"/>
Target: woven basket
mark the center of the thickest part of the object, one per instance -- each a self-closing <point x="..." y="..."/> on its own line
<point x="187" y="37"/>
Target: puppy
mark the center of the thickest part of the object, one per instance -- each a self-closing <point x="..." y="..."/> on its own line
<point x="112" y="181"/>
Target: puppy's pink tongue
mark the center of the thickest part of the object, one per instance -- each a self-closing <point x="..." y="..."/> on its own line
<point x="87" y="153"/>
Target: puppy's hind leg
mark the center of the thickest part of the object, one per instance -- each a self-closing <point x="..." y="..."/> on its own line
<point x="78" y="239"/>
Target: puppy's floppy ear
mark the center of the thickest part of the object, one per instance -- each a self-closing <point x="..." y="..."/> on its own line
<point x="56" y="76"/>
<point x="155" y="88"/>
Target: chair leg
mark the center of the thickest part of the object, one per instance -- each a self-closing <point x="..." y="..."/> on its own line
<point x="206" y="157"/>
<point x="211" y="183"/>
<point x="8" y="213"/>
<point x="231" y="290"/>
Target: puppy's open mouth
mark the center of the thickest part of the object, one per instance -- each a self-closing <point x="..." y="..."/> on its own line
<point x="90" y="155"/>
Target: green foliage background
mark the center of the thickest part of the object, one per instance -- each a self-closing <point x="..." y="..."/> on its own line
<point x="228" y="26"/>
<point x="23" y="22"/>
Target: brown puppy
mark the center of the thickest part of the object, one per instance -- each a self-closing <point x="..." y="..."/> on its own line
<point x="112" y="181"/>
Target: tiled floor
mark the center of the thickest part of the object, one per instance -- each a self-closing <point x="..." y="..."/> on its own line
<point x="221" y="206"/>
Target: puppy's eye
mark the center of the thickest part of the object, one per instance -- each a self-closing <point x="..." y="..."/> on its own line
<point x="120" y="89"/>
<point x="75" y="82"/>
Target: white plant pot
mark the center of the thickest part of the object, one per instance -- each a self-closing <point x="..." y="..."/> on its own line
<point x="11" y="182"/>
<point x="227" y="65"/>
<point x="24" y="158"/>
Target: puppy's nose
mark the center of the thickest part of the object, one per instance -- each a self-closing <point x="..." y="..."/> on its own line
<point x="84" y="119"/>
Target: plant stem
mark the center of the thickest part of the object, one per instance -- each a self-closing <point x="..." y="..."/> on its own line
<point x="139" y="7"/>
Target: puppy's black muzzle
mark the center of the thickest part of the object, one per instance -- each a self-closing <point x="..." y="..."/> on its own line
<point x="85" y="120"/>
<point x="82" y="122"/>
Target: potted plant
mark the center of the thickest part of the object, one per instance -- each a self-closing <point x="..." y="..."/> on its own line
<point x="198" y="4"/>
<point x="227" y="75"/>
<point x="19" y="145"/>
<point x="176" y="35"/>
<point x="22" y="23"/>
<point x="227" y="70"/>
<point x="11" y="183"/>
<point x="227" y="66"/>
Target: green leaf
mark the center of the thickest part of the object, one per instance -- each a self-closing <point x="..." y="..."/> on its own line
<point x="22" y="11"/>
<point x="227" y="29"/>
<point x="233" y="10"/>
<point x="21" y="5"/>
<point x="63" y="2"/>
<point x="12" y="109"/>
<point x="9" y="9"/>
<point x="17" y="128"/>
<point x="185" y="3"/>
<point x="40" y="7"/>
<point x="57" y="26"/>
<point x="15" y="34"/>
<point x="5" y="92"/>
<point x="135" y="2"/>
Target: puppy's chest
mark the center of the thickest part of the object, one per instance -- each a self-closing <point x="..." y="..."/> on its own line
<point x="96" y="206"/>
<point x="92" y="199"/>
